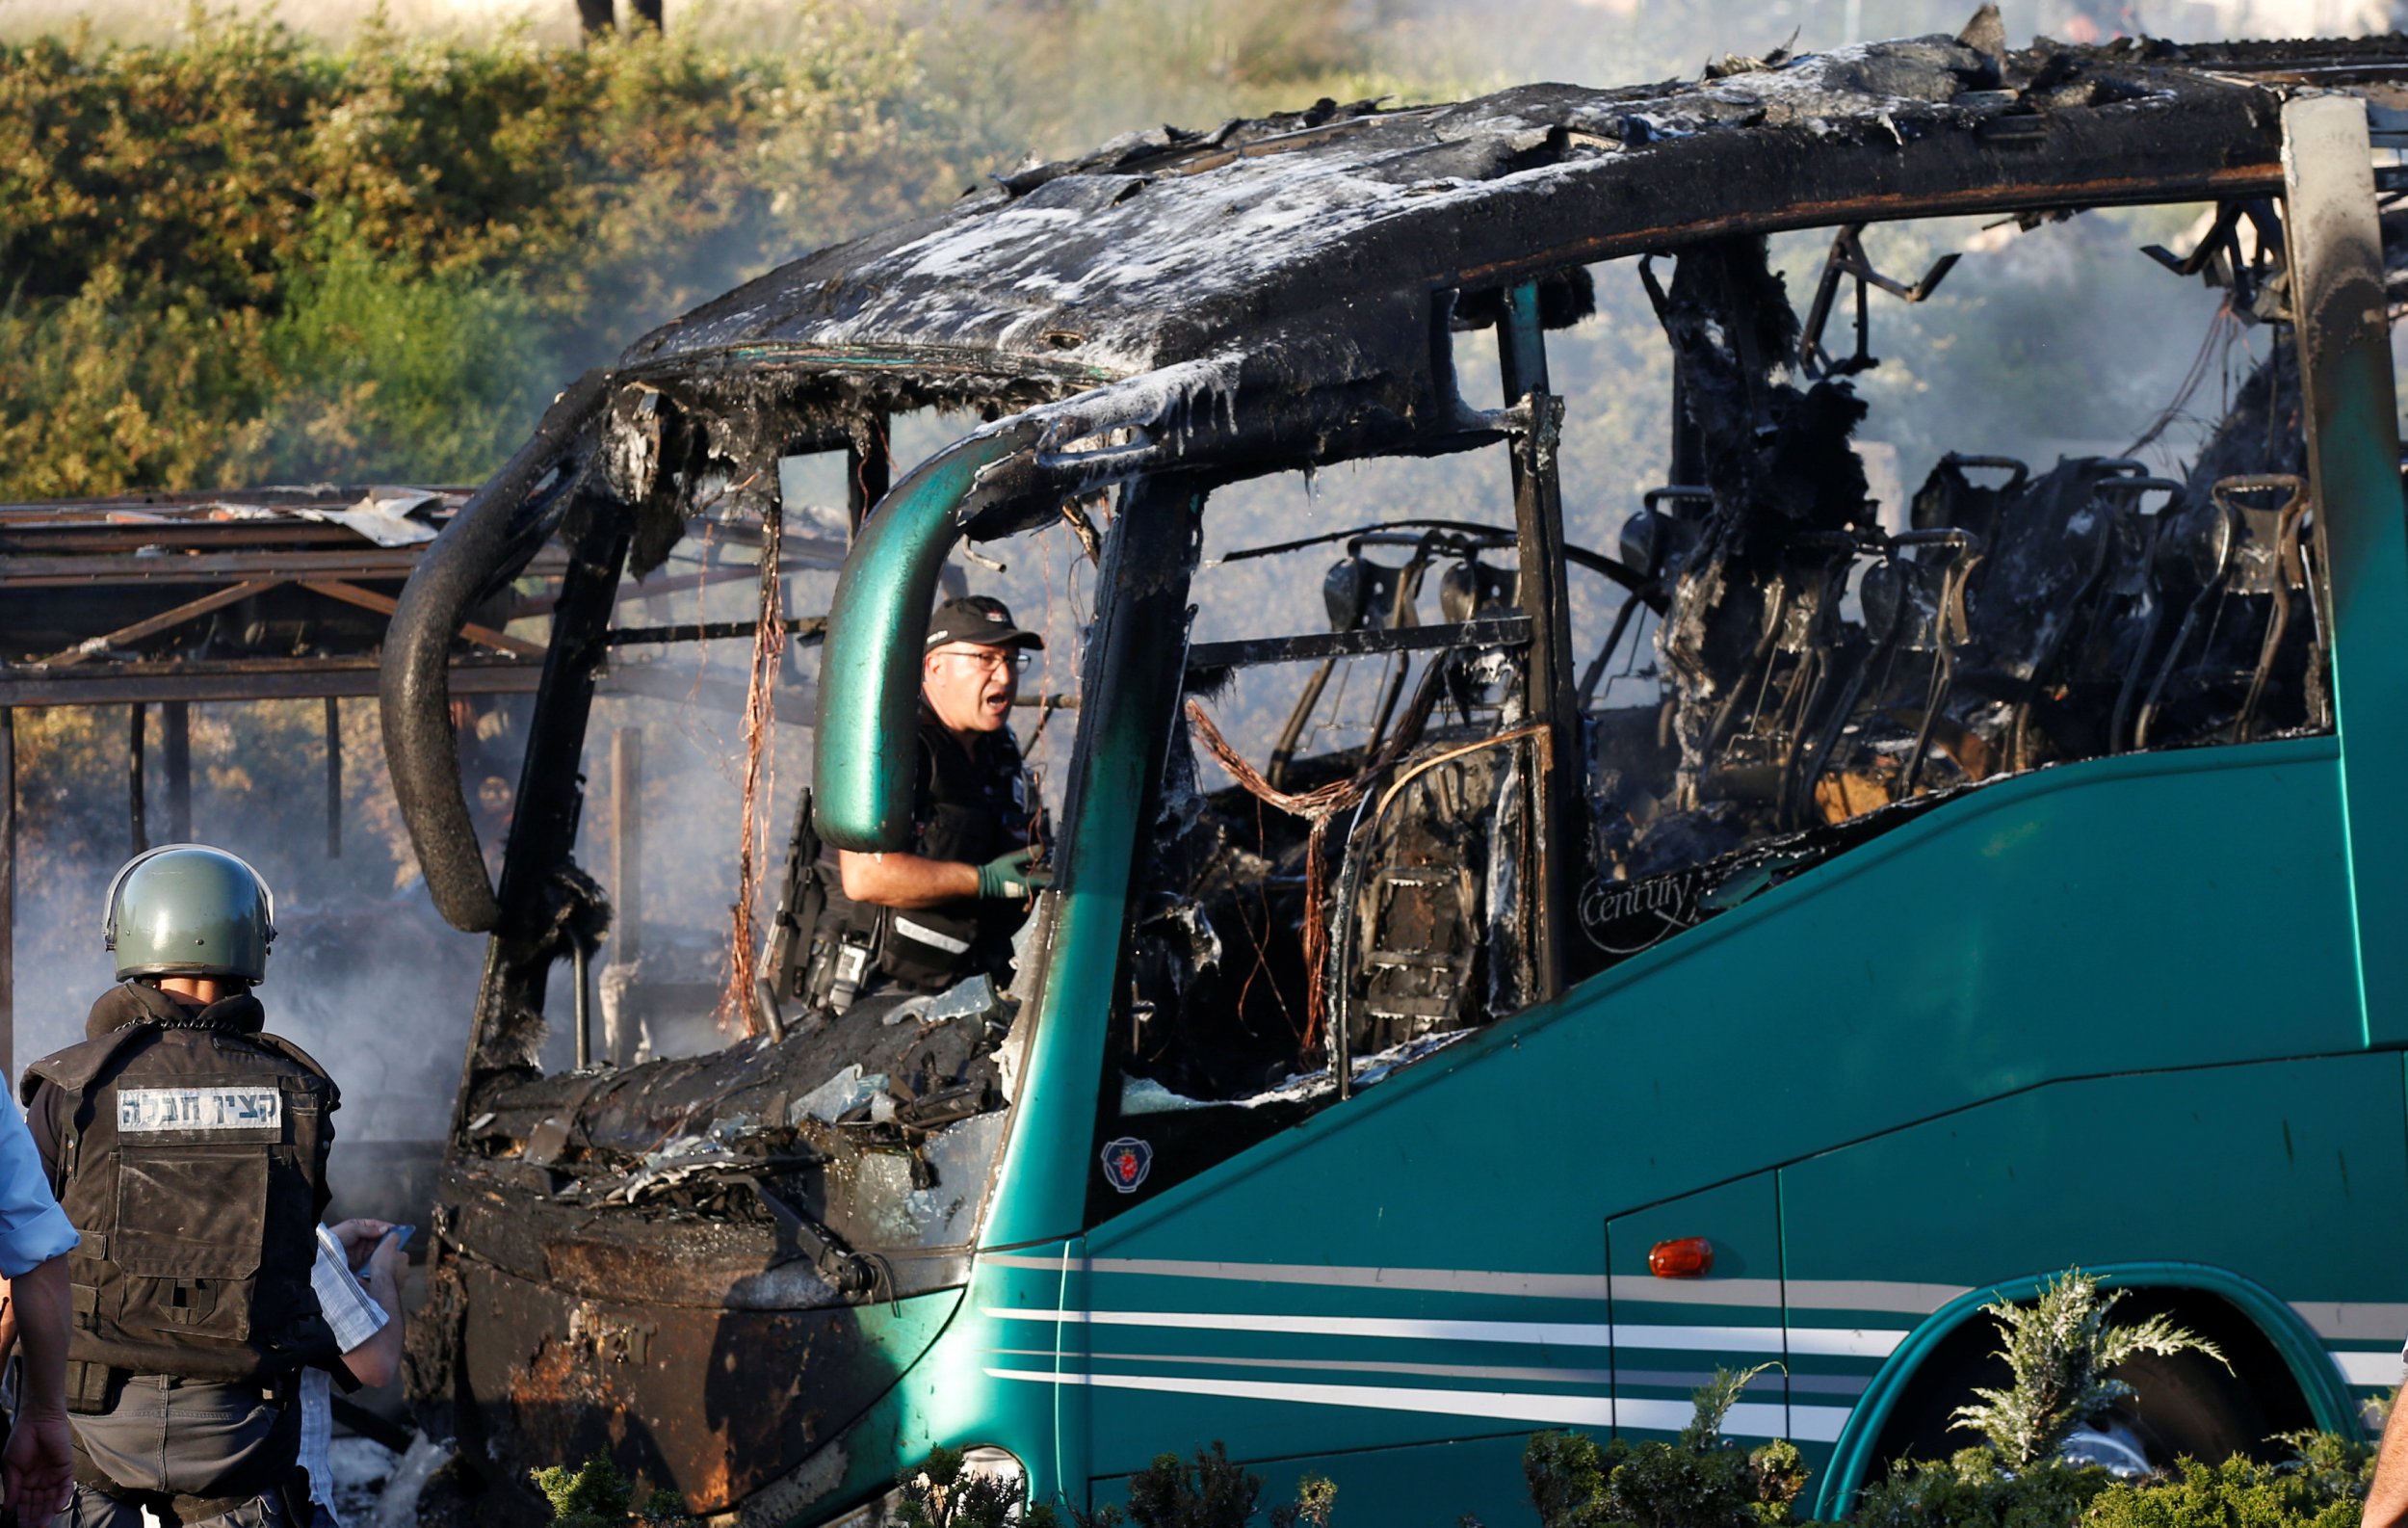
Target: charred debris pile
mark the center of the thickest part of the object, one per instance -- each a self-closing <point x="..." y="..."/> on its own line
<point x="873" y="1129"/>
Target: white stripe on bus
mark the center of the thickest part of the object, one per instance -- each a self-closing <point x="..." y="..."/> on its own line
<point x="1844" y="1342"/>
<point x="1801" y="1294"/>
<point x="2369" y="1368"/>
<point x="2354" y="1321"/>
<point x="1814" y="1424"/>
<point x="1625" y="1379"/>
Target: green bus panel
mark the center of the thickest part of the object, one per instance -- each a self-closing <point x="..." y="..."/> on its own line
<point x="2282" y="1187"/>
<point x="2121" y="915"/>
<point x="2291" y="1174"/>
<point x="1423" y="1264"/>
<point x="1659" y="1361"/>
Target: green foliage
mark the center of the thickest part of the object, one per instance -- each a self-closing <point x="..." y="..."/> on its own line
<point x="2059" y="1351"/>
<point x="1700" y="1481"/>
<point x="592" y="1496"/>
<point x="249" y="254"/>
<point x="1778" y="1472"/>
<point x="1212" y="1494"/>
<point x="1569" y="1477"/>
<point x="596" y="1495"/>
<point x="1316" y="1498"/>
<point x="1712" y="1402"/>
<point x="127" y="380"/>
<point x="391" y="374"/>
<point x="941" y="1494"/>
<point x="664" y="1508"/>
<point x="2329" y="1465"/>
<point x="2323" y="1485"/>
<point x="1969" y="1490"/>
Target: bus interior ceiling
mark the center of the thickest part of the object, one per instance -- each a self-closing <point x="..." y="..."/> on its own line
<point x="1308" y="919"/>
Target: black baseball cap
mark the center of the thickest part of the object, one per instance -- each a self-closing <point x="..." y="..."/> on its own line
<point x="980" y="618"/>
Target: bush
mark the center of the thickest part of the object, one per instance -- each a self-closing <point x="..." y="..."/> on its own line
<point x="938" y="1495"/>
<point x="2061" y="1350"/>
<point x="2323" y="1485"/>
<point x="2237" y="1493"/>
<point x="251" y="255"/>
<point x="389" y="374"/>
<point x="1969" y="1490"/>
<point x="1167" y="1493"/>
<point x="1701" y="1482"/>
<point x="596" y="1495"/>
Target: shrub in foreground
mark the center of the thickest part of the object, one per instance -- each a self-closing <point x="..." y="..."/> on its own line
<point x="1700" y="1481"/>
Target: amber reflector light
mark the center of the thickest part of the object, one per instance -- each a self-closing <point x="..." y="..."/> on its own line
<point x="1687" y="1257"/>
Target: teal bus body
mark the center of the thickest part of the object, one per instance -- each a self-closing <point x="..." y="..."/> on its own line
<point x="1872" y="1127"/>
<point x="2143" y="1012"/>
<point x="2133" y="1013"/>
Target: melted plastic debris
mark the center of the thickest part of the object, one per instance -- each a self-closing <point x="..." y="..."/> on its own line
<point x="973" y="997"/>
<point x="828" y="1102"/>
<point x="361" y="1467"/>
<point x="1145" y="1095"/>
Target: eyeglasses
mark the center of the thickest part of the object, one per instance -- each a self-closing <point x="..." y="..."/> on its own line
<point x="994" y="660"/>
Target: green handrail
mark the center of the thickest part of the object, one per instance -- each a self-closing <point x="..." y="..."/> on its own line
<point x="861" y="765"/>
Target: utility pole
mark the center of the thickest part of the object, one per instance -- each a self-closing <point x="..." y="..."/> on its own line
<point x="175" y="729"/>
<point x="137" y="834"/>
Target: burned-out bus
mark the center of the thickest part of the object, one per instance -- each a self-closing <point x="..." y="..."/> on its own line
<point x="1758" y="932"/>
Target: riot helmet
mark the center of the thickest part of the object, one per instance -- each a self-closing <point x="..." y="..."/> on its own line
<point x="187" y="910"/>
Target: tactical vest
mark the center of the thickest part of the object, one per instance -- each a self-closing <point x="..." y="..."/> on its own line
<point x="194" y="1162"/>
<point x="970" y="807"/>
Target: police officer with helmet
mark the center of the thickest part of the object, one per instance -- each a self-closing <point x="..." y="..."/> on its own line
<point x="189" y="1147"/>
<point x="946" y="908"/>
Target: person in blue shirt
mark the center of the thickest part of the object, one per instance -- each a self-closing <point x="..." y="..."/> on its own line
<point x="38" y="1467"/>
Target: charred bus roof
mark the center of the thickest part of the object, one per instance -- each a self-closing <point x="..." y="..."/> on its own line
<point x="1302" y="236"/>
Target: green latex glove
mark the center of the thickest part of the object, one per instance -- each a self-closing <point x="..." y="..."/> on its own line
<point x="1009" y="878"/>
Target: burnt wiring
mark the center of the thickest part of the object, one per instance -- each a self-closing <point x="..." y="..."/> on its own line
<point x="752" y="857"/>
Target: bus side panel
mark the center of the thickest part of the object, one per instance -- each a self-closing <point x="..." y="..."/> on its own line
<point x="2288" y="1173"/>
<point x="1670" y="1335"/>
<point x="1392" y="1270"/>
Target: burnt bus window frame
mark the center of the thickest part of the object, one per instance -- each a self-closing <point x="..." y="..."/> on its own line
<point x="2244" y="532"/>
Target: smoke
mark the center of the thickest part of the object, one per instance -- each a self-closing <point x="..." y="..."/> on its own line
<point x="363" y="974"/>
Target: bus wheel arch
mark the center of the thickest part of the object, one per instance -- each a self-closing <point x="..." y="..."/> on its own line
<point x="2280" y="1379"/>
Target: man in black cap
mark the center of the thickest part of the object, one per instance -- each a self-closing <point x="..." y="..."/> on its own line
<point x="947" y="908"/>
